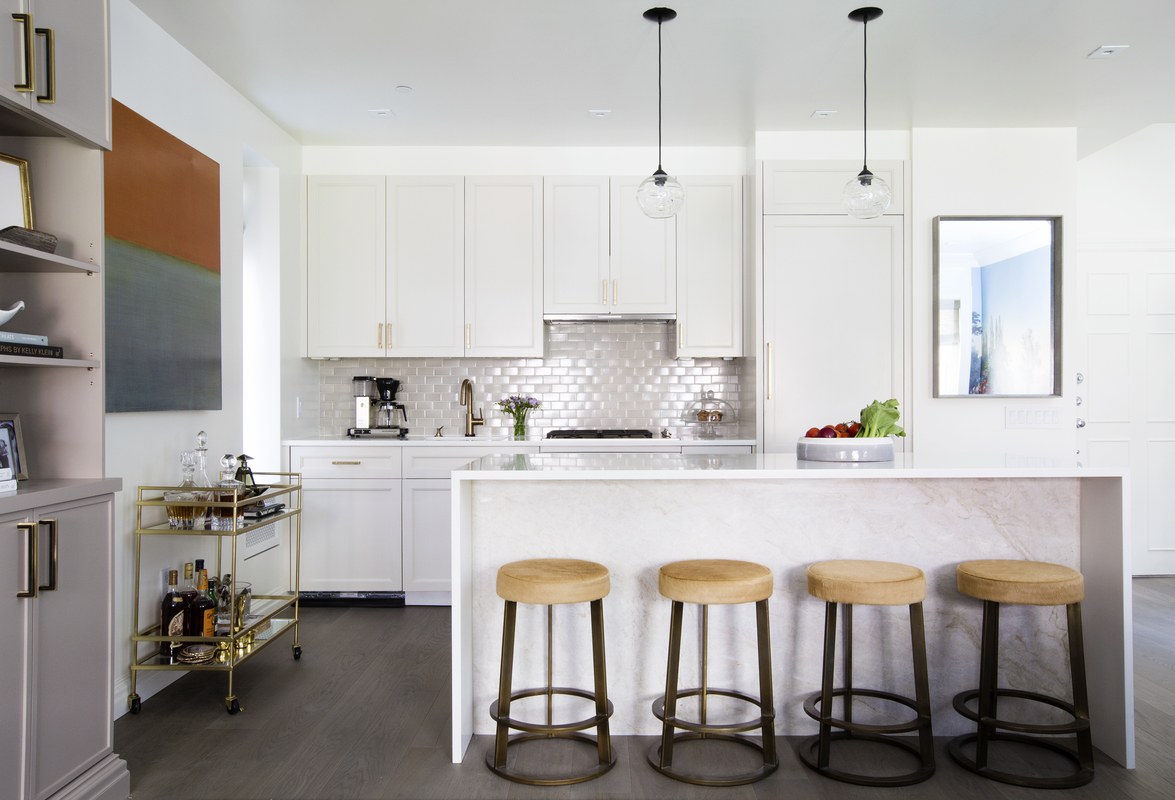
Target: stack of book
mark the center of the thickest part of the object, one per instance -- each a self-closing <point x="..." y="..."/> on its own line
<point x="27" y="344"/>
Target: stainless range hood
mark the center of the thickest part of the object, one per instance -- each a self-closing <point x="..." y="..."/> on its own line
<point x="609" y="317"/>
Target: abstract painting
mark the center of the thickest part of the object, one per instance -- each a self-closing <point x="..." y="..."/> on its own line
<point x="163" y="348"/>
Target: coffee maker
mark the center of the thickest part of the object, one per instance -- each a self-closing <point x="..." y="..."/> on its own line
<point x="391" y="416"/>
<point x="364" y="392"/>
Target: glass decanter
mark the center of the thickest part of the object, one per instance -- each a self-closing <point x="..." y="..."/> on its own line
<point x="185" y="509"/>
<point x="227" y="490"/>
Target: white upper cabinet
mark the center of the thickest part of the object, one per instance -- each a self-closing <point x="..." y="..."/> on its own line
<point x="815" y="187"/>
<point x="602" y="255"/>
<point x="346" y="272"/>
<point x="710" y="268"/>
<point x="426" y="258"/>
<point x="504" y="266"/>
<point x="57" y="66"/>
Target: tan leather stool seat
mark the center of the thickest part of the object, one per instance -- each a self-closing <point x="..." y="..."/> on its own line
<point x="872" y="583"/>
<point x="553" y="581"/>
<point x="1033" y="583"/>
<point x="713" y="581"/>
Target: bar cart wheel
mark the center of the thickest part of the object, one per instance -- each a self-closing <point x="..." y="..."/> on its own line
<point x="297" y="651"/>
<point x="135" y="703"/>
<point x="233" y="705"/>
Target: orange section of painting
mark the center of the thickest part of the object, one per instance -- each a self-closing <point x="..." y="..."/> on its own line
<point x="161" y="194"/>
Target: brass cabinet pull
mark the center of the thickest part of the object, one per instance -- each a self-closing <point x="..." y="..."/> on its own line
<point x="346" y="463"/>
<point x="615" y="292"/>
<point x="770" y="371"/>
<point x="52" y="585"/>
<point x="680" y="334"/>
<point x="468" y="335"/>
<point x="31" y="581"/>
<point x="604" y="291"/>
<point x="379" y="335"/>
<point x="27" y="21"/>
<point x="50" y="95"/>
<point x="389" y="336"/>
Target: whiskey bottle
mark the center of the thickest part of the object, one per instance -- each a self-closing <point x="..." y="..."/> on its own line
<point x="188" y="592"/>
<point x="172" y="619"/>
<point x="202" y="611"/>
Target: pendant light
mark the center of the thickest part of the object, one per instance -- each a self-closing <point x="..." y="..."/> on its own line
<point x="866" y="196"/>
<point x="659" y="195"/>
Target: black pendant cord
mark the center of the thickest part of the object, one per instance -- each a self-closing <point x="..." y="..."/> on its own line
<point x="865" y="100"/>
<point x="659" y="169"/>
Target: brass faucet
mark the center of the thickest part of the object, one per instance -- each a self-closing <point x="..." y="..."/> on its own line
<point x="467" y="401"/>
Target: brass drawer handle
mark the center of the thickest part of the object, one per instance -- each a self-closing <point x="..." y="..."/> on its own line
<point x="27" y="84"/>
<point x="346" y="463"/>
<point x="51" y="586"/>
<point x="50" y="95"/>
<point x="31" y="529"/>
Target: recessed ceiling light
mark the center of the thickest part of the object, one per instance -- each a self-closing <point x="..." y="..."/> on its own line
<point x="822" y="113"/>
<point x="404" y="89"/>
<point x="380" y="113"/>
<point x="599" y="112"/>
<point x="1108" y="50"/>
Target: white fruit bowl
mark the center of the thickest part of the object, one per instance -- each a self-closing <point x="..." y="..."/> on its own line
<point x="857" y="449"/>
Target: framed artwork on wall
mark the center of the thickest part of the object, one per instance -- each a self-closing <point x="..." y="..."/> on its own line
<point x="997" y="306"/>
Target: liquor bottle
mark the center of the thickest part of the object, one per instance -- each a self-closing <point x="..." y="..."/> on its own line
<point x="172" y="619"/>
<point x="188" y="593"/>
<point x="202" y="611"/>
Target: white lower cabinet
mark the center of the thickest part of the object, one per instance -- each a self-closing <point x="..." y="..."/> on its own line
<point x="56" y="623"/>
<point x="350" y="518"/>
<point x="427" y="549"/>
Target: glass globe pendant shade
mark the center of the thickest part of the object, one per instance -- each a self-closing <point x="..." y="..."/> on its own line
<point x="866" y="196"/>
<point x="660" y="195"/>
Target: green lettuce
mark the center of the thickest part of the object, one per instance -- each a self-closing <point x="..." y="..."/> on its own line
<point x="880" y="419"/>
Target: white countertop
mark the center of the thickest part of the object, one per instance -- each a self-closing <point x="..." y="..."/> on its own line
<point x="669" y="466"/>
<point x="504" y="439"/>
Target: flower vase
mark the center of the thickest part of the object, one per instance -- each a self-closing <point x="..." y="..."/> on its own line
<point x="520" y="428"/>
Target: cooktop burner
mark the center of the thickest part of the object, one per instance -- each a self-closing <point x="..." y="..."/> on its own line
<point x="600" y="433"/>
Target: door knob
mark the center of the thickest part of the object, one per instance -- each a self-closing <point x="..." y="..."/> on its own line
<point x="1080" y="422"/>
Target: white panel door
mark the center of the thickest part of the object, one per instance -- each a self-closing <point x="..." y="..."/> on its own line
<point x="426" y="266"/>
<point x="16" y="615"/>
<point x="644" y="255"/>
<point x="832" y="321"/>
<point x="710" y="269"/>
<point x="575" y="245"/>
<point x="81" y="68"/>
<point x="1126" y="394"/>
<point x="351" y="536"/>
<point x="345" y="266"/>
<point x="504" y="267"/>
<point x="427" y="535"/>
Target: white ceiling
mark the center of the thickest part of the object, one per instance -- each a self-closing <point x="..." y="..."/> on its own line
<point x="526" y="72"/>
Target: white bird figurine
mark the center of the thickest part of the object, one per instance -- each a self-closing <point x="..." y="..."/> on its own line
<point x="12" y="312"/>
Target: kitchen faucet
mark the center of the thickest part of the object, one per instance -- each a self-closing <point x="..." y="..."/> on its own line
<point x="467" y="401"/>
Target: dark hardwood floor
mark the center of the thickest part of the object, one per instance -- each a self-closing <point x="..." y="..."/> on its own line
<point x="365" y="714"/>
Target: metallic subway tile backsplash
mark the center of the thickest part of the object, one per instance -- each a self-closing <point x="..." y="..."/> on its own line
<point x="594" y="374"/>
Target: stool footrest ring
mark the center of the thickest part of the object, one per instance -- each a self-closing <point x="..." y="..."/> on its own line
<point x="1076" y="726"/>
<point x="538" y="780"/>
<point x="542" y="728"/>
<point x="1082" y="776"/>
<point x="812" y="709"/>
<point x="654" y="757"/>
<point x="809" y="746"/>
<point x="711" y="727"/>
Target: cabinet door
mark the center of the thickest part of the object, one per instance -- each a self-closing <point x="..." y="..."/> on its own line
<point x="350" y="536"/>
<point x="644" y="255"/>
<point x="78" y="66"/>
<point x="72" y="693"/>
<point x="427" y="536"/>
<point x="832" y="321"/>
<point x="345" y="266"/>
<point x="13" y="65"/>
<point x="710" y="269"/>
<point x="426" y="266"/>
<point x="575" y="246"/>
<point x="16" y="633"/>
<point x="814" y="187"/>
<point x="503" y="267"/>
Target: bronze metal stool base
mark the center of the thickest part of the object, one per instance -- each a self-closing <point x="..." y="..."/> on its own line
<point x="654" y="757"/>
<point x="990" y="728"/>
<point x="538" y="780"/>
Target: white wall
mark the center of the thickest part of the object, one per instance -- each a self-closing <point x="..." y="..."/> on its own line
<point x="986" y="172"/>
<point x="155" y="77"/>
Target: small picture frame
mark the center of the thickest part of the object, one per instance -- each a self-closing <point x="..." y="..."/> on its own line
<point x="13" y="457"/>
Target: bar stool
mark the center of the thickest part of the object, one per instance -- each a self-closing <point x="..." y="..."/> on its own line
<point x="551" y="582"/>
<point x="706" y="582"/>
<point x="879" y="583"/>
<point x="1024" y="583"/>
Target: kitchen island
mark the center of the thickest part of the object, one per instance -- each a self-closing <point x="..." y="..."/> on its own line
<point x="634" y="512"/>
